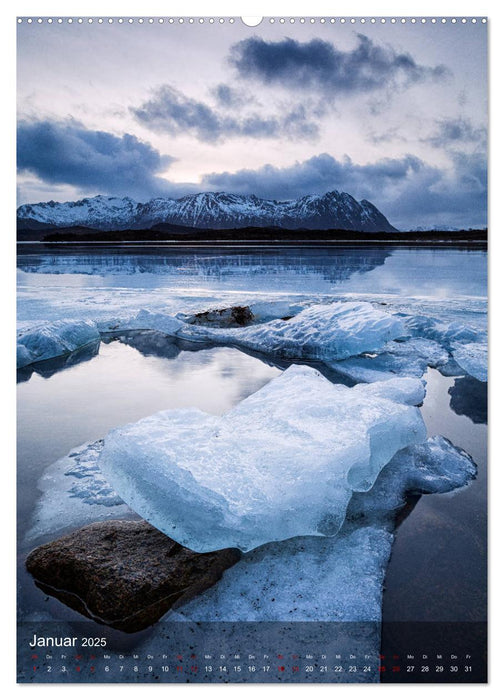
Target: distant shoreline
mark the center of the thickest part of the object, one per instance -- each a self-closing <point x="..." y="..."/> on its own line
<point x="259" y="237"/>
<point x="474" y="245"/>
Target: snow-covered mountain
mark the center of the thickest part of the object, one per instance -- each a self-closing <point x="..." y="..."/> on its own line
<point x="212" y="210"/>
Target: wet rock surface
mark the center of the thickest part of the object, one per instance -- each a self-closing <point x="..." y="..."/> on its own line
<point x="124" y="573"/>
<point x="232" y="317"/>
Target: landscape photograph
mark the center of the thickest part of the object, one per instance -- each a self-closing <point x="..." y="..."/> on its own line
<point x="252" y="354"/>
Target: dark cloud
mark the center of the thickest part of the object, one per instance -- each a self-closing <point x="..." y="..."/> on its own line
<point x="456" y="196"/>
<point x="407" y="190"/>
<point x="319" y="65"/>
<point x="390" y="135"/>
<point x="456" y="132"/>
<point x="470" y="172"/>
<point x="172" y="112"/>
<point x="68" y="153"/>
<point x="228" y="96"/>
<point x="315" y="176"/>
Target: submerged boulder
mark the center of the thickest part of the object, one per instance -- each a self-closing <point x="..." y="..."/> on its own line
<point x="124" y="573"/>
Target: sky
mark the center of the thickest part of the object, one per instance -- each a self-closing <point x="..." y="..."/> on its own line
<point x="393" y="113"/>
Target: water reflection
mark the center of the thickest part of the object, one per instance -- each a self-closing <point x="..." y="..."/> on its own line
<point x="331" y="264"/>
<point x="120" y="385"/>
<point x="431" y="272"/>
<point x="469" y="397"/>
<point x="47" y="368"/>
<point x="437" y="571"/>
<point x="148" y="343"/>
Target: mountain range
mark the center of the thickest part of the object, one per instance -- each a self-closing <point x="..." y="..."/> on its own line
<point x="209" y="210"/>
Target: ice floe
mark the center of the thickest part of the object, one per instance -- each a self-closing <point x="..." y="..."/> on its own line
<point x="304" y="578"/>
<point x="357" y="339"/>
<point x="283" y="462"/>
<point x="473" y="358"/>
<point x="319" y="332"/>
<point x="467" y="343"/>
<point x="45" y="341"/>
<point x="404" y="359"/>
<point x="73" y="493"/>
<point x="337" y="578"/>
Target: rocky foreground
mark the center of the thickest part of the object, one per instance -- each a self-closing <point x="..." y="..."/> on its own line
<point x="124" y="573"/>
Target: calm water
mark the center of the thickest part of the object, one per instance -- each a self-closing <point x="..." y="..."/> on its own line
<point x="437" y="570"/>
<point x="101" y="283"/>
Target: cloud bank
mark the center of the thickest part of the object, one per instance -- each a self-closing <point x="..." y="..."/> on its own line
<point x="170" y="111"/>
<point x="406" y="189"/>
<point x="318" y="65"/>
<point x="68" y="153"/>
<point x="456" y="132"/>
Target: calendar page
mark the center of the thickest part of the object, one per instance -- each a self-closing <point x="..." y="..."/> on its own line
<point x="252" y="349"/>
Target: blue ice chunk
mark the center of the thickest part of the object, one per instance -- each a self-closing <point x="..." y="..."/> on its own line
<point x="337" y="578"/>
<point x="319" y="332"/>
<point x="284" y="462"/>
<point x="45" y="341"/>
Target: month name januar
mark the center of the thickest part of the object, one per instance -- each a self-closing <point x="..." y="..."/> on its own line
<point x="53" y="641"/>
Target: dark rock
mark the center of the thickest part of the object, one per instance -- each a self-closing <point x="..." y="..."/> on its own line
<point x="124" y="573"/>
<point x="231" y="317"/>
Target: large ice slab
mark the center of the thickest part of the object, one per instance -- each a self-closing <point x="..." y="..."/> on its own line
<point x="319" y="332"/>
<point x="337" y="578"/>
<point x="45" y="341"/>
<point x="284" y="462"/>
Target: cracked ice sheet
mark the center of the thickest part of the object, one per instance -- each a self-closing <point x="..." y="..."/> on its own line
<point x="319" y="332"/>
<point x="283" y="462"/>
<point x="102" y="303"/>
<point x="441" y="320"/>
<point x="75" y="493"/>
<point x="465" y="338"/>
<point x="473" y="358"/>
<point x="396" y="359"/>
<point x="336" y="578"/>
<point x="433" y="332"/>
